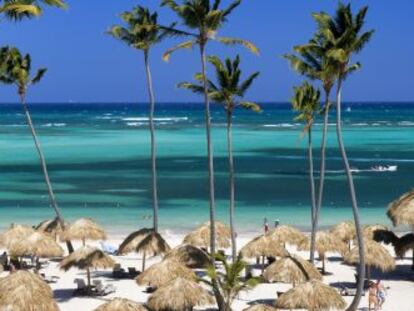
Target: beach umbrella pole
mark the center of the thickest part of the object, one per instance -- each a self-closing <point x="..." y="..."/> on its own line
<point x="88" y="275"/>
<point x="143" y="262"/>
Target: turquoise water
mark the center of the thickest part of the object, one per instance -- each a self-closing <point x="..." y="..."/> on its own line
<point x="98" y="157"/>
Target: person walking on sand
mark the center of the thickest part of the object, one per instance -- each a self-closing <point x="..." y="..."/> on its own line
<point x="381" y="293"/>
<point x="266" y="226"/>
<point x="372" y="296"/>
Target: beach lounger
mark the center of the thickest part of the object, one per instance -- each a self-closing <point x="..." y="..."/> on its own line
<point x="82" y="289"/>
<point x="49" y="279"/>
<point x="133" y="272"/>
<point x="103" y="290"/>
<point x="118" y="272"/>
<point x="346" y="291"/>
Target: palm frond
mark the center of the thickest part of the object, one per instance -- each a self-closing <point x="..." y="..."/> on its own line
<point x="184" y="45"/>
<point x="235" y="41"/>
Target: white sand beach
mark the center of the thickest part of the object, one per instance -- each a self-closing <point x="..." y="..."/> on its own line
<point x="400" y="283"/>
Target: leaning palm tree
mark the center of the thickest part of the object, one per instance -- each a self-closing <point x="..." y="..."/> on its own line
<point x="311" y="61"/>
<point x="17" y="70"/>
<point x="343" y="34"/>
<point x="19" y="9"/>
<point x="142" y="32"/>
<point x="306" y="102"/>
<point x="204" y="19"/>
<point x="228" y="92"/>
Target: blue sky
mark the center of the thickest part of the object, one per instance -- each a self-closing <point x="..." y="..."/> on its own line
<point x="85" y="65"/>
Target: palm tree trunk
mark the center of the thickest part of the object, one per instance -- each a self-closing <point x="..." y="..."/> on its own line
<point x="153" y="146"/>
<point x="361" y="268"/>
<point x="315" y="224"/>
<point x="313" y="194"/>
<point x="209" y="153"/>
<point x="231" y="184"/>
<point x="52" y="197"/>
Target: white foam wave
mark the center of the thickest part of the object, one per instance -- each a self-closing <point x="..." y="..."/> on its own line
<point x="146" y="119"/>
<point x="54" y="125"/>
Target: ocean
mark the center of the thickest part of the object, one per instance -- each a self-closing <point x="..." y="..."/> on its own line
<point x="99" y="161"/>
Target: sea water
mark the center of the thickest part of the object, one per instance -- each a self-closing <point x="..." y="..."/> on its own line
<point x="98" y="157"/>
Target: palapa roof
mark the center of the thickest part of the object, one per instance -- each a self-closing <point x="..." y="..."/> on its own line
<point x="153" y="244"/>
<point x="121" y="304"/>
<point x="260" y="307"/>
<point x="25" y="291"/>
<point x="344" y="230"/>
<point x="313" y="296"/>
<point x="87" y="257"/>
<point x="325" y="242"/>
<point x="179" y="294"/>
<point x="264" y="245"/>
<point x="163" y="272"/>
<point x="401" y="211"/>
<point x="375" y="256"/>
<point x="190" y="256"/>
<point x="15" y="234"/>
<point x="369" y="231"/>
<point x="287" y="234"/>
<point x="50" y="226"/>
<point x="201" y="236"/>
<point x="37" y="244"/>
<point x="84" y="229"/>
<point x="131" y="242"/>
<point x="291" y="269"/>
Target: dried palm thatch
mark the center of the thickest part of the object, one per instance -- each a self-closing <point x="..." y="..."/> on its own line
<point x="25" y="291"/>
<point x="86" y="258"/>
<point x="291" y="269"/>
<point x="15" y="234"/>
<point x="121" y="304"/>
<point x="161" y="273"/>
<point x="50" y="226"/>
<point x="38" y="245"/>
<point x="179" y="294"/>
<point x="312" y="296"/>
<point x="401" y="211"/>
<point x="369" y="231"/>
<point x="287" y="235"/>
<point x="201" y="236"/>
<point x="153" y="244"/>
<point x="190" y="256"/>
<point x="404" y="244"/>
<point x="131" y="242"/>
<point x="344" y="231"/>
<point x="260" y="307"/>
<point x="375" y="256"/>
<point x="84" y="229"/>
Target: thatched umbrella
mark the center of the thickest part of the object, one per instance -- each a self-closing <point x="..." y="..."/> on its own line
<point x="288" y="235"/>
<point x="84" y="229"/>
<point x="369" y="231"/>
<point x="260" y="307"/>
<point x="86" y="258"/>
<point x="375" y="256"/>
<point x="401" y="212"/>
<point x="325" y="242"/>
<point x="131" y="242"/>
<point x="312" y="296"/>
<point x="344" y="231"/>
<point x="51" y="226"/>
<point x="153" y="244"/>
<point x="190" y="256"/>
<point x="163" y="272"/>
<point x="264" y="246"/>
<point x="179" y="295"/>
<point x="23" y="291"/>
<point x="15" y="234"/>
<point x="201" y="236"/>
<point x="291" y="269"/>
<point x="121" y="304"/>
<point x="38" y="245"/>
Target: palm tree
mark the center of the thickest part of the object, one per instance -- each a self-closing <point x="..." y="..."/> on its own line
<point x="229" y="92"/>
<point x="19" y="9"/>
<point x="306" y="102"/>
<point x="311" y="60"/>
<point x="142" y="32"/>
<point x="227" y="285"/>
<point x="204" y="19"/>
<point x="17" y="71"/>
<point x="343" y="34"/>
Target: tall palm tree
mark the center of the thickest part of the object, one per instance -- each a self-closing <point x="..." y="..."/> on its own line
<point x="229" y="92"/>
<point x="19" y="9"/>
<point x="142" y="32"/>
<point x="306" y="102"/>
<point x="311" y="60"/>
<point x="17" y="71"/>
<point x="204" y="19"/>
<point x="344" y="35"/>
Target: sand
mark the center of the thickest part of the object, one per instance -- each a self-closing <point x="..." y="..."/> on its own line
<point x="400" y="282"/>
